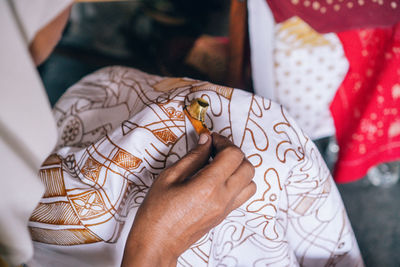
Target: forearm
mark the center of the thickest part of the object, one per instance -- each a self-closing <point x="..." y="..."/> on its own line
<point x="146" y="255"/>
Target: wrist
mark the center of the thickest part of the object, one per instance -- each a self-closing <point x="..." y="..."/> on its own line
<point x="145" y="253"/>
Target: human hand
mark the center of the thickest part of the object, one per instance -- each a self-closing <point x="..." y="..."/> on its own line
<point x="187" y="200"/>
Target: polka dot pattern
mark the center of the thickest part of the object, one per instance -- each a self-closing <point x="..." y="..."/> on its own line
<point x="327" y="16"/>
<point x="366" y="106"/>
<point x="309" y="67"/>
<point x="319" y="5"/>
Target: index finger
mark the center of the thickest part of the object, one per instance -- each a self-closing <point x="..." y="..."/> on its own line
<point x="227" y="158"/>
<point x="219" y="143"/>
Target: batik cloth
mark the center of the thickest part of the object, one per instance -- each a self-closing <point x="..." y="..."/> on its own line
<point x="308" y="67"/>
<point x="366" y="107"/>
<point x="119" y="128"/>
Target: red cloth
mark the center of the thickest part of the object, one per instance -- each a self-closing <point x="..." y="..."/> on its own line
<point x="336" y="15"/>
<point x="366" y="107"/>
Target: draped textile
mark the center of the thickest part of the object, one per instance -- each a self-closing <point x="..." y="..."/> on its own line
<point x="119" y="128"/>
<point x="366" y="108"/>
<point x="365" y="105"/>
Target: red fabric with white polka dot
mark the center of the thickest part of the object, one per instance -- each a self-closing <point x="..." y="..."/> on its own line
<point x="338" y="15"/>
<point x="366" y="107"/>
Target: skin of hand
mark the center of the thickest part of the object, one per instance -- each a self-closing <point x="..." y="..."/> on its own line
<point x="187" y="200"/>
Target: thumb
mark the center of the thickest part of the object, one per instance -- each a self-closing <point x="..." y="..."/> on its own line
<point x="193" y="161"/>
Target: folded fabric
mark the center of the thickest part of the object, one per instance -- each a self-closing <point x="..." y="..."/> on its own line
<point x="366" y="107"/>
<point x="119" y="128"/>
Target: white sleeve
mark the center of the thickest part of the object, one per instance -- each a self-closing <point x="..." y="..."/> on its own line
<point x="317" y="226"/>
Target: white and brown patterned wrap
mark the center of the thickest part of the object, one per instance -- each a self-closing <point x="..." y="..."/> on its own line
<point x="119" y="128"/>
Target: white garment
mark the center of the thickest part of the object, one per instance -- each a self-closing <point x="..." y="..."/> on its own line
<point x="262" y="36"/>
<point x="119" y="128"/>
<point x="27" y="128"/>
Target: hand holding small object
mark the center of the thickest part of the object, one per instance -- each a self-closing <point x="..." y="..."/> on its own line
<point x="187" y="200"/>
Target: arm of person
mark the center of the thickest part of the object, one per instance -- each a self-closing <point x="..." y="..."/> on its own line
<point x="187" y="200"/>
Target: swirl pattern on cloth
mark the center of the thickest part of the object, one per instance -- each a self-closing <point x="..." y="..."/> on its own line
<point x="119" y="128"/>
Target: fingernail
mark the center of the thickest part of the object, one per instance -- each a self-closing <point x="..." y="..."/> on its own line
<point x="203" y="139"/>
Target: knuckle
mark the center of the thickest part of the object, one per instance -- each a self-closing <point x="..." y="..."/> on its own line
<point x="253" y="188"/>
<point x="171" y="171"/>
<point x="192" y="156"/>
<point x="194" y="153"/>
<point x="219" y="207"/>
<point x="251" y="170"/>
<point x="168" y="174"/>
<point x="223" y="205"/>
<point x="220" y="202"/>
<point x="208" y="192"/>
<point x="234" y="152"/>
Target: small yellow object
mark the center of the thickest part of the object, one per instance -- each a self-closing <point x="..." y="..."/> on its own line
<point x="198" y="108"/>
<point x="196" y="112"/>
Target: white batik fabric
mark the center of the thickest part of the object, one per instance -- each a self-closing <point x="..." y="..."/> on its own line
<point x="119" y="128"/>
<point x="309" y="68"/>
<point x="297" y="67"/>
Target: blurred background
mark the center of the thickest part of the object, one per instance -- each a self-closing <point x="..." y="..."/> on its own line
<point x="190" y="38"/>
